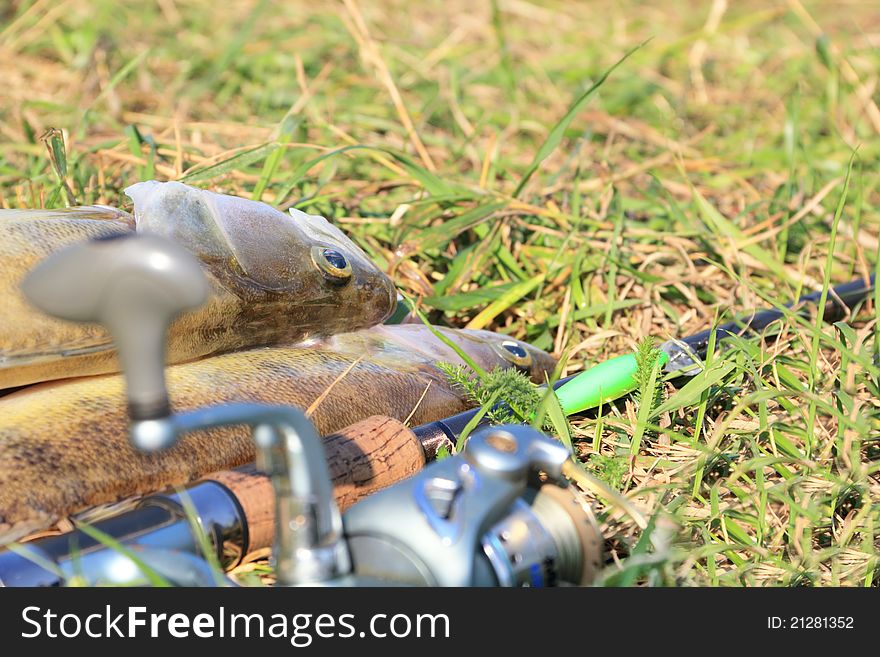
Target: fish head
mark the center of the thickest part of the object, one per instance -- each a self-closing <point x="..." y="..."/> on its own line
<point x="314" y="274"/>
<point x="496" y="349"/>
<point x="338" y="265"/>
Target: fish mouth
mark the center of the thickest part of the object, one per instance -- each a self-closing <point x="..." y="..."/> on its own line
<point x="373" y="293"/>
<point x="376" y="294"/>
<point x="543" y="365"/>
<point x="393" y="299"/>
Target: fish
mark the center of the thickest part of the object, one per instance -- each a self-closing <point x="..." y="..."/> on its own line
<point x="274" y="278"/>
<point x="64" y="445"/>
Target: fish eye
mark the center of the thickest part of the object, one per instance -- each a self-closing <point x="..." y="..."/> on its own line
<point x="515" y="353"/>
<point x="332" y="263"/>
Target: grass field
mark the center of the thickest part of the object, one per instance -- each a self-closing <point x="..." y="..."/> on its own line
<point x="726" y="164"/>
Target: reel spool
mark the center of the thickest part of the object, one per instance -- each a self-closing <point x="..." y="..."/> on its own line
<point x="551" y="537"/>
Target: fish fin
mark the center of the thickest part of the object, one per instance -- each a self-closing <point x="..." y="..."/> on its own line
<point x="11" y="359"/>
<point x="91" y="212"/>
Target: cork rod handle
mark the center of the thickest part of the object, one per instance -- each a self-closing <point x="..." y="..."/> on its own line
<point x="362" y="458"/>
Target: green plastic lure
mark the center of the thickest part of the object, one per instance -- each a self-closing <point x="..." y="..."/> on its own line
<point x="602" y="383"/>
<point x="615" y="378"/>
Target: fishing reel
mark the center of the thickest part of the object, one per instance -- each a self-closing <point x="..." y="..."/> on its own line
<point x="482" y="518"/>
<point x="498" y="514"/>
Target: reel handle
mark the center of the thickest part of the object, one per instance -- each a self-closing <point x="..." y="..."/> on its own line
<point x="134" y="285"/>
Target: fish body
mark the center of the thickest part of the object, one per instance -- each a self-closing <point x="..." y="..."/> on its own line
<point x="274" y="278"/>
<point x="64" y="445"/>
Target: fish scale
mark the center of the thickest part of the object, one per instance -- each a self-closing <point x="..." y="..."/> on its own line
<point x="266" y="286"/>
<point x="64" y="445"/>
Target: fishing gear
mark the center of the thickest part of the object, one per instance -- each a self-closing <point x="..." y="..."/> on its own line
<point x="234" y="508"/>
<point x="483" y="517"/>
<point x="615" y="377"/>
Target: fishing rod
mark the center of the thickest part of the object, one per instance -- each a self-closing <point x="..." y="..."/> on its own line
<point x="235" y="508"/>
<point x="483" y="517"/>
<point x="615" y="377"/>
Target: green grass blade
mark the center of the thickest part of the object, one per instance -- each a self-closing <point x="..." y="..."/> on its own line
<point x="154" y="578"/>
<point x="235" y="163"/>
<point x="504" y="301"/>
<point x="558" y="131"/>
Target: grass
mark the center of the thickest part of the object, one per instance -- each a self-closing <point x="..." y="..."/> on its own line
<point x="729" y="162"/>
